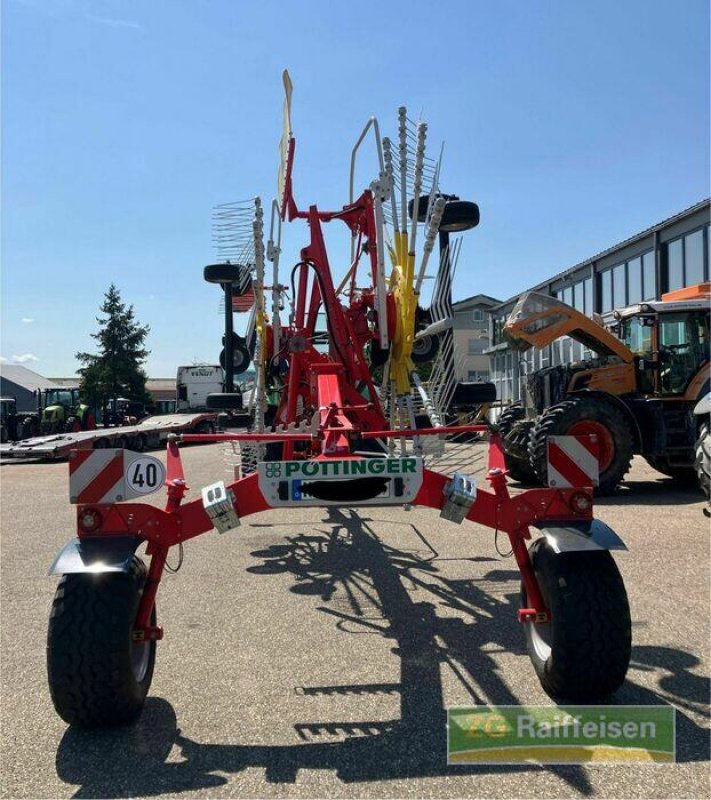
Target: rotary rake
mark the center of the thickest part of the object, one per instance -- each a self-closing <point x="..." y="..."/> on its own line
<point x="328" y="430"/>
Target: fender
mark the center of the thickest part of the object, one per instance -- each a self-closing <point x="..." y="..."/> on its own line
<point x="576" y="536"/>
<point x="95" y="554"/>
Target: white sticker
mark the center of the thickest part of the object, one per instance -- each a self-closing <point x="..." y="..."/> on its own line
<point x="143" y="475"/>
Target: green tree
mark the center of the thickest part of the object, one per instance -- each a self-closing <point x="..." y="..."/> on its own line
<point x="116" y="370"/>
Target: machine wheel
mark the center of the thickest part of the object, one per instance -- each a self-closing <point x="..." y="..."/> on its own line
<point x="681" y="474"/>
<point x="205" y="427"/>
<point x="425" y="349"/>
<point x="585" y="415"/>
<point x="139" y="443"/>
<point x="97" y="675"/>
<point x="582" y="654"/>
<point x="28" y="428"/>
<point x="519" y="467"/>
<point x="703" y="459"/>
<point x="120" y="443"/>
<point x="222" y="273"/>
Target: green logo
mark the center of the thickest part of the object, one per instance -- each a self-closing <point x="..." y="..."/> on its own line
<point x="273" y="469"/>
<point x="560" y="734"/>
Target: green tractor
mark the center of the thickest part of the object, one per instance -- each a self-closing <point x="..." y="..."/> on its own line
<point x="63" y="412"/>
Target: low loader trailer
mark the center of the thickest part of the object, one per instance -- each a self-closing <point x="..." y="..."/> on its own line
<point x="150" y="433"/>
<point x="322" y="435"/>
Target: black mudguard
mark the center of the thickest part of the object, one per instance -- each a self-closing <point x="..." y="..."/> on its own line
<point x="567" y="537"/>
<point x="95" y="554"/>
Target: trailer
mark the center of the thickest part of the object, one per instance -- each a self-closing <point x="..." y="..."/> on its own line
<point x="150" y="433"/>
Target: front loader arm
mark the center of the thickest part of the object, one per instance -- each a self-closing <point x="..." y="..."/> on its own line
<point x="538" y="320"/>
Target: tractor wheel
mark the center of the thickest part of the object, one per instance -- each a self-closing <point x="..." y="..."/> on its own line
<point x="585" y="415"/>
<point x="101" y="444"/>
<point x="425" y="349"/>
<point x="517" y="463"/>
<point x="98" y="676"/>
<point x="681" y="474"/>
<point x="582" y="654"/>
<point x="703" y="459"/>
<point x="120" y="443"/>
<point x="28" y="428"/>
<point x="72" y="425"/>
<point x="139" y="443"/>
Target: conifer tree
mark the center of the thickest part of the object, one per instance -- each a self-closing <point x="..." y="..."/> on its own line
<point x="117" y="369"/>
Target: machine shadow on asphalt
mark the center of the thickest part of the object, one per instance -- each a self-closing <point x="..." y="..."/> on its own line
<point x="371" y="579"/>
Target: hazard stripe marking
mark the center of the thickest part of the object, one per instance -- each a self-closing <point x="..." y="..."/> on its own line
<point x="81" y="475"/>
<point x="77" y="458"/>
<point x="571" y="463"/>
<point x="99" y="488"/>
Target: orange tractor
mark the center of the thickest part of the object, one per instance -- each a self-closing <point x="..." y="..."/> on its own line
<point x="636" y="392"/>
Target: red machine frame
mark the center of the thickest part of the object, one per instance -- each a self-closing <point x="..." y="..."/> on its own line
<point x="328" y="383"/>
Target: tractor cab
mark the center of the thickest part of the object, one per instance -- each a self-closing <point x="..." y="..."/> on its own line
<point x="671" y="340"/>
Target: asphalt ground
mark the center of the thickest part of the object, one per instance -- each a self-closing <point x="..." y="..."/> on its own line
<point x="312" y="653"/>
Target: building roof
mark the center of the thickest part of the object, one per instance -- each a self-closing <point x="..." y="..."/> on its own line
<point x="624" y="243"/>
<point x="26" y="378"/>
<point x="476" y="299"/>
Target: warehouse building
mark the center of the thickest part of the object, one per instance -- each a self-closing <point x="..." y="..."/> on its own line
<point x="23" y="384"/>
<point x="670" y="255"/>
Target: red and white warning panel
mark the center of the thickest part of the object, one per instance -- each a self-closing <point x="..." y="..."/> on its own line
<point x="573" y="461"/>
<point x="110" y="476"/>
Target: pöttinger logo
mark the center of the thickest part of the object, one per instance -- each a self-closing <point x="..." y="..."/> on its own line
<point x="273" y="470"/>
<point x="560" y="734"/>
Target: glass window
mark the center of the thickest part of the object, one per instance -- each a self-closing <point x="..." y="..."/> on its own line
<point x="588" y="287"/>
<point x="606" y="291"/>
<point x="675" y="265"/>
<point x="649" y="277"/>
<point x="478" y="315"/>
<point x="634" y="281"/>
<point x="475" y="346"/>
<point x="636" y="336"/>
<point x="694" y="258"/>
<point x="579" y="295"/>
<point x="619" y="295"/>
<point x="567" y="296"/>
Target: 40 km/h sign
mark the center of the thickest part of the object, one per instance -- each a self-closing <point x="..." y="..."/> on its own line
<point x="110" y="476"/>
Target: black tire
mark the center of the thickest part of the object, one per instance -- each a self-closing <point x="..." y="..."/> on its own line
<point x="378" y="355"/>
<point x="139" y="443"/>
<point x="425" y="349"/>
<point x="101" y="444"/>
<point x="470" y="394"/>
<point x="703" y="459"/>
<point x="240" y="356"/>
<point x="206" y="426"/>
<point x="583" y="653"/>
<point x="28" y="428"/>
<point x="98" y="677"/>
<point x="120" y="443"/>
<point x="224" y="400"/>
<point x="681" y="474"/>
<point x="518" y="465"/>
<point x="459" y="215"/>
<point x="222" y="273"/>
<point x="559" y="419"/>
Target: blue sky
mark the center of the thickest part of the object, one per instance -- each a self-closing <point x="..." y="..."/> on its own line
<point x="573" y="125"/>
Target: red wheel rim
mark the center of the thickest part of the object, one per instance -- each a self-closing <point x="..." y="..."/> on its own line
<point x="606" y="443"/>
